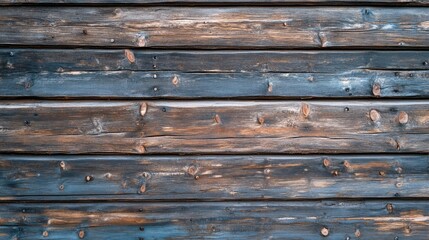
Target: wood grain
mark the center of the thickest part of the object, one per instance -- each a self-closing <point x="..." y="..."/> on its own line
<point x="222" y="220"/>
<point x="208" y="74"/>
<point x="213" y="126"/>
<point x="223" y="2"/>
<point x="210" y="27"/>
<point x="212" y="178"/>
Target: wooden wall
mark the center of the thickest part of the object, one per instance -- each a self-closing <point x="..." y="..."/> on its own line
<point x="214" y="119"/>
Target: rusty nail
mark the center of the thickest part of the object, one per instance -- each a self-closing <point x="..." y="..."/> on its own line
<point x="45" y="233"/>
<point x="217" y="119"/>
<point x="130" y="56"/>
<point x="143" y="109"/>
<point x="270" y="87"/>
<point x="326" y="162"/>
<point x="89" y="178"/>
<point x="305" y="109"/>
<point x="324" y="231"/>
<point x="389" y="208"/>
<point x="374" y="115"/>
<point x="376" y="89"/>
<point x="81" y="234"/>
<point x="175" y="80"/>
<point x="62" y="165"/>
<point x="403" y="117"/>
<point x="142" y="188"/>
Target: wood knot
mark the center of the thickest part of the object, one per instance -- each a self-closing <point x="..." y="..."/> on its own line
<point x="61" y="187"/>
<point x="217" y="119"/>
<point x="389" y="208"/>
<point x="374" y="115"/>
<point x="346" y="164"/>
<point x="192" y="170"/>
<point x="130" y="56"/>
<point x="45" y="234"/>
<point x="305" y="109"/>
<point x="376" y="89"/>
<point x="89" y="178"/>
<point x="261" y="120"/>
<point x="324" y="231"/>
<point x="357" y="233"/>
<point x="142" y="188"/>
<point x="326" y="162"/>
<point x="62" y="165"/>
<point x="175" y="80"/>
<point x="270" y="87"/>
<point x="143" y="109"/>
<point x="403" y="117"/>
<point x="335" y="173"/>
<point x="81" y="234"/>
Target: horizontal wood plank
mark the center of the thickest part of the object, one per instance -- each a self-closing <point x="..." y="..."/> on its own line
<point x="223" y="74"/>
<point x="212" y="177"/>
<point x="244" y="220"/>
<point x="214" y="126"/>
<point x="223" y="2"/>
<point x="209" y="27"/>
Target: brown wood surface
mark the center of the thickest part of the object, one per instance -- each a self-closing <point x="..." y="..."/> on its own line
<point x="214" y="126"/>
<point x="211" y="27"/>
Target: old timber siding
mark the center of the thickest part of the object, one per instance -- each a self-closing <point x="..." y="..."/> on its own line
<point x="214" y="119"/>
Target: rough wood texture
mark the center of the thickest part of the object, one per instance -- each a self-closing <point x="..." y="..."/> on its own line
<point x="224" y="2"/>
<point x="209" y="27"/>
<point x="212" y="177"/>
<point x="228" y="220"/>
<point x="219" y="74"/>
<point x="214" y="126"/>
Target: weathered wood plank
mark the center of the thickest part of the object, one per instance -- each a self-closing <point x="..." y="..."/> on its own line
<point x="209" y="27"/>
<point x="17" y="60"/>
<point x="228" y="220"/>
<point x="244" y="2"/>
<point x="212" y="177"/>
<point x="134" y="84"/>
<point x="225" y="74"/>
<point x="214" y="126"/>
